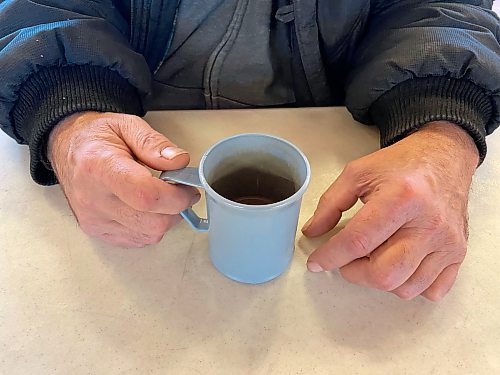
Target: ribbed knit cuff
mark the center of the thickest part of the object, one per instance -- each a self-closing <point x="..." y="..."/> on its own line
<point x="55" y="93"/>
<point x="416" y="102"/>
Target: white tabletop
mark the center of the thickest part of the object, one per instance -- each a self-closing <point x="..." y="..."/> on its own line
<point x="72" y="305"/>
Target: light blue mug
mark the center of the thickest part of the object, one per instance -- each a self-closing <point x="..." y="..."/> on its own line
<point x="249" y="243"/>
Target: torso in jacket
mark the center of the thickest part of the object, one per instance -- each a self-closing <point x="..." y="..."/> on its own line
<point x="244" y="53"/>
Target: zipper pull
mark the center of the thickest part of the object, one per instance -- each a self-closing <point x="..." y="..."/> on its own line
<point x="285" y="14"/>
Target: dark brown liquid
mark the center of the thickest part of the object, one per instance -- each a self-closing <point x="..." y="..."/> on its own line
<point x="254" y="187"/>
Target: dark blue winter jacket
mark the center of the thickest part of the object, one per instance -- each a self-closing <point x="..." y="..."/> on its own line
<point x="397" y="64"/>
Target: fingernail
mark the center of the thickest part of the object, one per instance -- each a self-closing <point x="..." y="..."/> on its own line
<point x="172" y="152"/>
<point x="307" y="224"/>
<point x="314" y="267"/>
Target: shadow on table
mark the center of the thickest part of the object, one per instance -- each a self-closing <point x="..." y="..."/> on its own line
<point x="184" y="302"/>
<point x="307" y="245"/>
<point x="360" y="318"/>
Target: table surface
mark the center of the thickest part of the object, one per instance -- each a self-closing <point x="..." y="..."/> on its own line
<point x="73" y="305"/>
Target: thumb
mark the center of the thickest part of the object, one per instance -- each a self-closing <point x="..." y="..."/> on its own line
<point x="339" y="197"/>
<point x="151" y="147"/>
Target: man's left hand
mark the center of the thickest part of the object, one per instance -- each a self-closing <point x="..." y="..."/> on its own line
<point x="410" y="237"/>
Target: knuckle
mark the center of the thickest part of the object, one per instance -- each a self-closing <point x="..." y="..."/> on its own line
<point x="144" y="200"/>
<point x="103" y="120"/>
<point x="138" y="244"/>
<point x="159" y="227"/>
<point x="453" y="235"/>
<point x="384" y="279"/>
<point x="86" y="163"/>
<point x="464" y="225"/>
<point x="408" y="186"/>
<point x="127" y="215"/>
<point x="458" y="240"/>
<point x="409" y="190"/>
<point x="148" y="140"/>
<point x="420" y="191"/>
<point x="461" y="252"/>
<point x="383" y="282"/>
<point x="406" y="294"/>
<point x="359" y="244"/>
<point x="155" y="239"/>
<point x="142" y="240"/>
<point x="435" y="295"/>
<point x="345" y="274"/>
<point x="135" y="240"/>
<point x="109" y="160"/>
<point x="83" y="202"/>
<point x="351" y="169"/>
<point x="92" y="161"/>
<point x="437" y="223"/>
<point x="412" y="194"/>
<point x="127" y="121"/>
<point x="87" y="160"/>
<point x="324" y="199"/>
<point x="179" y="203"/>
<point x="398" y="208"/>
<point x="89" y="228"/>
<point x="177" y="206"/>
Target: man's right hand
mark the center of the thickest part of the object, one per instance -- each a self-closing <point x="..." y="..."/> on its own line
<point x="98" y="159"/>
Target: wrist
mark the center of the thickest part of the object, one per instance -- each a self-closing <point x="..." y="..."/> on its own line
<point x="453" y="143"/>
<point x="61" y="134"/>
<point x="453" y="139"/>
<point x="410" y="105"/>
<point x="50" y="95"/>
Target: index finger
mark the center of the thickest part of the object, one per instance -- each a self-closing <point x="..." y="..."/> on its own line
<point x="370" y="227"/>
<point x="134" y="185"/>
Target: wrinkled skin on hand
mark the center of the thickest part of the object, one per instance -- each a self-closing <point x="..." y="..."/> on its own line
<point x="99" y="161"/>
<point x="410" y="237"/>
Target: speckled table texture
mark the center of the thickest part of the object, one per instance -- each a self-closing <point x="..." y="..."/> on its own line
<point x="72" y="305"/>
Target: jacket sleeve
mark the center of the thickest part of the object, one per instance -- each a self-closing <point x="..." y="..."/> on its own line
<point x="58" y="57"/>
<point x="423" y="61"/>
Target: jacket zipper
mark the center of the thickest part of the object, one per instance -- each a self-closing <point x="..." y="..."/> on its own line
<point x="214" y="63"/>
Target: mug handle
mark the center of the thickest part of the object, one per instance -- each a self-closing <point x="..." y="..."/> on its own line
<point x="188" y="176"/>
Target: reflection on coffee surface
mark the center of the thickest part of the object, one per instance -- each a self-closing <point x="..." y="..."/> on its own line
<point x="254" y="187"/>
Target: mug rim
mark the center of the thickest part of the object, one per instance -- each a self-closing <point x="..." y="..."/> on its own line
<point x="290" y="200"/>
